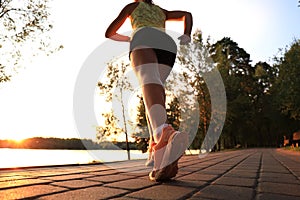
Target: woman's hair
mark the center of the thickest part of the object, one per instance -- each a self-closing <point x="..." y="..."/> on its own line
<point x="149" y="1"/>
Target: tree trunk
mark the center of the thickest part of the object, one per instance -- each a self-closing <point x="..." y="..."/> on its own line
<point x="124" y="121"/>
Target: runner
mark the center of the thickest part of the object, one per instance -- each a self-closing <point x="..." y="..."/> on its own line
<point x="152" y="55"/>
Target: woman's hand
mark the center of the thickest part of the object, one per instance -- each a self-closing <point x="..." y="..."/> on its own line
<point x="120" y="38"/>
<point x="184" y="39"/>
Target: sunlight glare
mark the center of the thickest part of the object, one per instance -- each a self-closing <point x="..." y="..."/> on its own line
<point x="18" y="138"/>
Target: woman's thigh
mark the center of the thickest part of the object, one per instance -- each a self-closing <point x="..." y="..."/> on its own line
<point x="142" y="55"/>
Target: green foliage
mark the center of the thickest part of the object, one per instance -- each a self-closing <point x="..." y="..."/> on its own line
<point x="24" y="27"/>
<point x="233" y="63"/>
<point x="252" y="117"/>
<point x="114" y="86"/>
<point x="116" y="80"/>
<point x="174" y="113"/>
<point x="195" y="62"/>
<point x="262" y="100"/>
<point x="288" y="82"/>
<point x="141" y="136"/>
<point x="110" y="127"/>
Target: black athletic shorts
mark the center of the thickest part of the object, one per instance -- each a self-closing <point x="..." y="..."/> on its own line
<point x="163" y="45"/>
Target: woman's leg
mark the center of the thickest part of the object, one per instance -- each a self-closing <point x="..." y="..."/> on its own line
<point x="145" y="65"/>
<point x="164" y="71"/>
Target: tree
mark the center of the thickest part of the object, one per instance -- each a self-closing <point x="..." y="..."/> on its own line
<point x="266" y="117"/>
<point x="195" y="61"/>
<point x="142" y="135"/>
<point x="110" y="127"/>
<point x="174" y="113"/>
<point x="24" y="26"/>
<point x="288" y="82"/>
<point x="116" y="86"/>
<point x="234" y="65"/>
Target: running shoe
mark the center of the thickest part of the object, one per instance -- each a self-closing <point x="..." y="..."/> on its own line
<point x="167" y="152"/>
<point x="150" y="160"/>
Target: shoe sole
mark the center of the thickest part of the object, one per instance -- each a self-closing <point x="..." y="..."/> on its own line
<point x="168" y="172"/>
<point x="175" y="148"/>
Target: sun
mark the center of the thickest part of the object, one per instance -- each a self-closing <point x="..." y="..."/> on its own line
<point x="17" y="138"/>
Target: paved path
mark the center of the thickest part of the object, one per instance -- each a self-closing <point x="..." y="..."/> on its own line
<point x="244" y="174"/>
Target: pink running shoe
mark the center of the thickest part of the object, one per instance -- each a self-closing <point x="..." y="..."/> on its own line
<point x="168" y="150"/>
<point x="150" y="160"/>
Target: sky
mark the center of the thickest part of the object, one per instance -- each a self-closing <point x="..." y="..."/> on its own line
<point x="39" y="99"/>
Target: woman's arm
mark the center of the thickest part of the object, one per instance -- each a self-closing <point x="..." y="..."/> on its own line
<point x="182" y="15"/>
<point x="111" y="31"/>
<point x="188" y="23"/>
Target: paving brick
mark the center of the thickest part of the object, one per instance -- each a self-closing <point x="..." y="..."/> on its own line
<point x="68" y="177"/>
<point x="110" y="178"/>
<point x="96" y="167"/>
<point x="221" y="175"/>
<point x="136" y="174"/>
<point x="182" y="173"/>
<point x="294" y="168"/>
<point x="225" y="192"/>
<point x="220" y="167"/>
<point x="93" y="193"/>
<point x="29" y="191"/>
<point x="278" y="178"/>
<point x="190" y="169"/>
<point x="216" y="172"/>
<point x="23" y="182"/>
<point x="127" y="165"/>
<point x="274" y="169"/>
<point x="198" y="198"/>
<point x="297" y="174"/>
<point x="137" y="169"/>
<point x="235" y="181"/>
<point x="187" y="183"/>
<point x="162" y="192"/>
<point x="124" y="198"/>
<point x="132" y="184"/>
<point x="199" y="177"/>
<point x="104" y="172"/>
<point x="76" y="183"/>
<point x="280" y="188"/>
<point x="241" y="174"/>
<point x="243" y="169"/>
<point x="42" y="173"/>
<point x="12" y="178"/>
<point x="249" y="167"/>
<point x="190" y="164"/>
<point x="268" y="196"/>
<point x="229" y="162"/>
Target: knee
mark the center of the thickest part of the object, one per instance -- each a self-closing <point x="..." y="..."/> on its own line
<point x="148" y="74"/>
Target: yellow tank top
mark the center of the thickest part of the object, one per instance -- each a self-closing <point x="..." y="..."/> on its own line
<point x="146" y="15"/>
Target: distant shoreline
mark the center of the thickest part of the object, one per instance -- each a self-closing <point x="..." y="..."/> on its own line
<point x="64" y="144"/>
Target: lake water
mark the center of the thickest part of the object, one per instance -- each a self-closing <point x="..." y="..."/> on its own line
<point x="12" y="158"/>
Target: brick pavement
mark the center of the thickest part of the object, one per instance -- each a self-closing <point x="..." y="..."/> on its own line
<point x="257" y="174"/>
